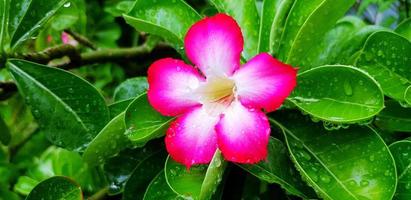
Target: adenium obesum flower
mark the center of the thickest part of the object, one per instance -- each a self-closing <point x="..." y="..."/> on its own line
<point x="219" y="102"/>
<point x="67" y="39"/>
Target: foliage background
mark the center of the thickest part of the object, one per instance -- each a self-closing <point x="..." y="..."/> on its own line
<point x="357" y="66"/>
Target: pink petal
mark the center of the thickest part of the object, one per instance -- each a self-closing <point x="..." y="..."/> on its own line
<point x="191" y="139"/>
<point x="171" y="85"/>
<point x="243" y="134"/>
<point x="214" y="44"/>
<point x="264" y="82"/>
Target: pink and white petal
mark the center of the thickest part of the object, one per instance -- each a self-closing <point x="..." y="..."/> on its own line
<point x="264" y="82"/>
<point x="243" y="134"/>
<point x="192" y="139"/>
<point x="171" y="85"/>
<point x="214" y="44"/>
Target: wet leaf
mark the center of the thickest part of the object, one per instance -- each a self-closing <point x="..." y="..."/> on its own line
<point x="278" y="168"/>
<point x="386" y="57"/>
<point x="401" y="151"/>
<point x="158" y="189"/>
<point x="269" y="11"/>
<point x="351" y="163"/>
<point x="306" y="25"/>
<point x="130" y="89"/>
<point x="246" y="15"/>
<point x="27" y="17"/>
<point x="56" y="188"/>
<point x="160" y="17"/>
<point x="109" y="142"/>
<point x="143" y="123"/>
<point x="394" y="117"/>
<point x="338" y="94"/>
<point x="118" y="107"/>
<point x="198" y="182"/>
<point x="142" y="175"/>
<point x="69" y="110"/>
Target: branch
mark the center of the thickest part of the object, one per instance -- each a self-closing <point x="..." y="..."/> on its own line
<point x="52" y="53"/>
<point x="81" y="39"/>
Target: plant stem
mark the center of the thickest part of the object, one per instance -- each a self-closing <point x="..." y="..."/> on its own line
<point x="99" y="194"/>
<point x="81" y="39"/>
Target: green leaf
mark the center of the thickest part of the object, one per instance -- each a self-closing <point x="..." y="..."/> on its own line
<point x="278" y="168"/>
<point x="306" y="25"/>
<point x="117" y="175"/>
<point x="25" y="185"/>
<point x="131" y="88"/>
<point x="142" y="175"/>
<point x="351" y="163"/>
<point x="334" y="43"/>
<point x="158" y="189"/>
<point x="56" y="188"/>
<point x="28" y="16"/>
<point x="5" y="135"/>
<point x="394" y="117"/>
<point x="160" y="17"/>
<point x="198" y="182"/>
<point x="269" y="10"/>
<point x="69" y="110"/>
<point x="3" y="27"/>
<point x="278" y="25"/>
<point x="60" y="162"/>
<point x="338" y="94"/>
<point x="386" y="57"/>
<point x="118" y="107"/>
<point x="33" y="148"/>
<point x="143" y="123"/>
<point x="109" y="142"/>
<point x="246" y="15"/>
<point x="401" y="152"/>
<point x="404" y="29"/>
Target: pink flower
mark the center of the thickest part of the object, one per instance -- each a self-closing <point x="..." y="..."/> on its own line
<point x="67" y="39"/>
<point x="221" y="106"/>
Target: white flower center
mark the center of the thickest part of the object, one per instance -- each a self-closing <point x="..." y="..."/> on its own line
<point x="216" y="94"/>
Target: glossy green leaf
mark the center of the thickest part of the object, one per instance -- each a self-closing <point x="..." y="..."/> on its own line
<point x="404" y="29"/>
<point x="386" y="57"/>
<point x="5" y="135"/>
<point x="117" y="175"/>
<point x="306" y="25"/>
<point x="345" y="164"/>
<point x="56" y="188"/>
<point x="3" y="28"/>
<point x="246" y="15"/>
<point x="334" y="43"/>
<point x="158" y="189"/>
<point x="160" y="17"/>
<point x="143" y="123"/>
<point x="269" y="10"/>
<point x="27" y="17"/>
<point x="198" y="182"/>
<point x="394" y="117"/>
<point x="278" y="168"/>
<point x="118" y="107"/>
<point x="338" y="94"/>
<point x="142" y="175"/>
<point x="401" y="151"/>
<point x="131" y="88"/>
<point x="69" y="110"/>
<point x="110" y="141"/>
<point x="278" y="25"/>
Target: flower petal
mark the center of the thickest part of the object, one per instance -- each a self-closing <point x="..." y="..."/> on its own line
<point x="264" y="82"/>
<point x="243" y="134"/>
<point x="171" y="85"/>
<point x="191" y="139"/>
<point x="214" y="45"/>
